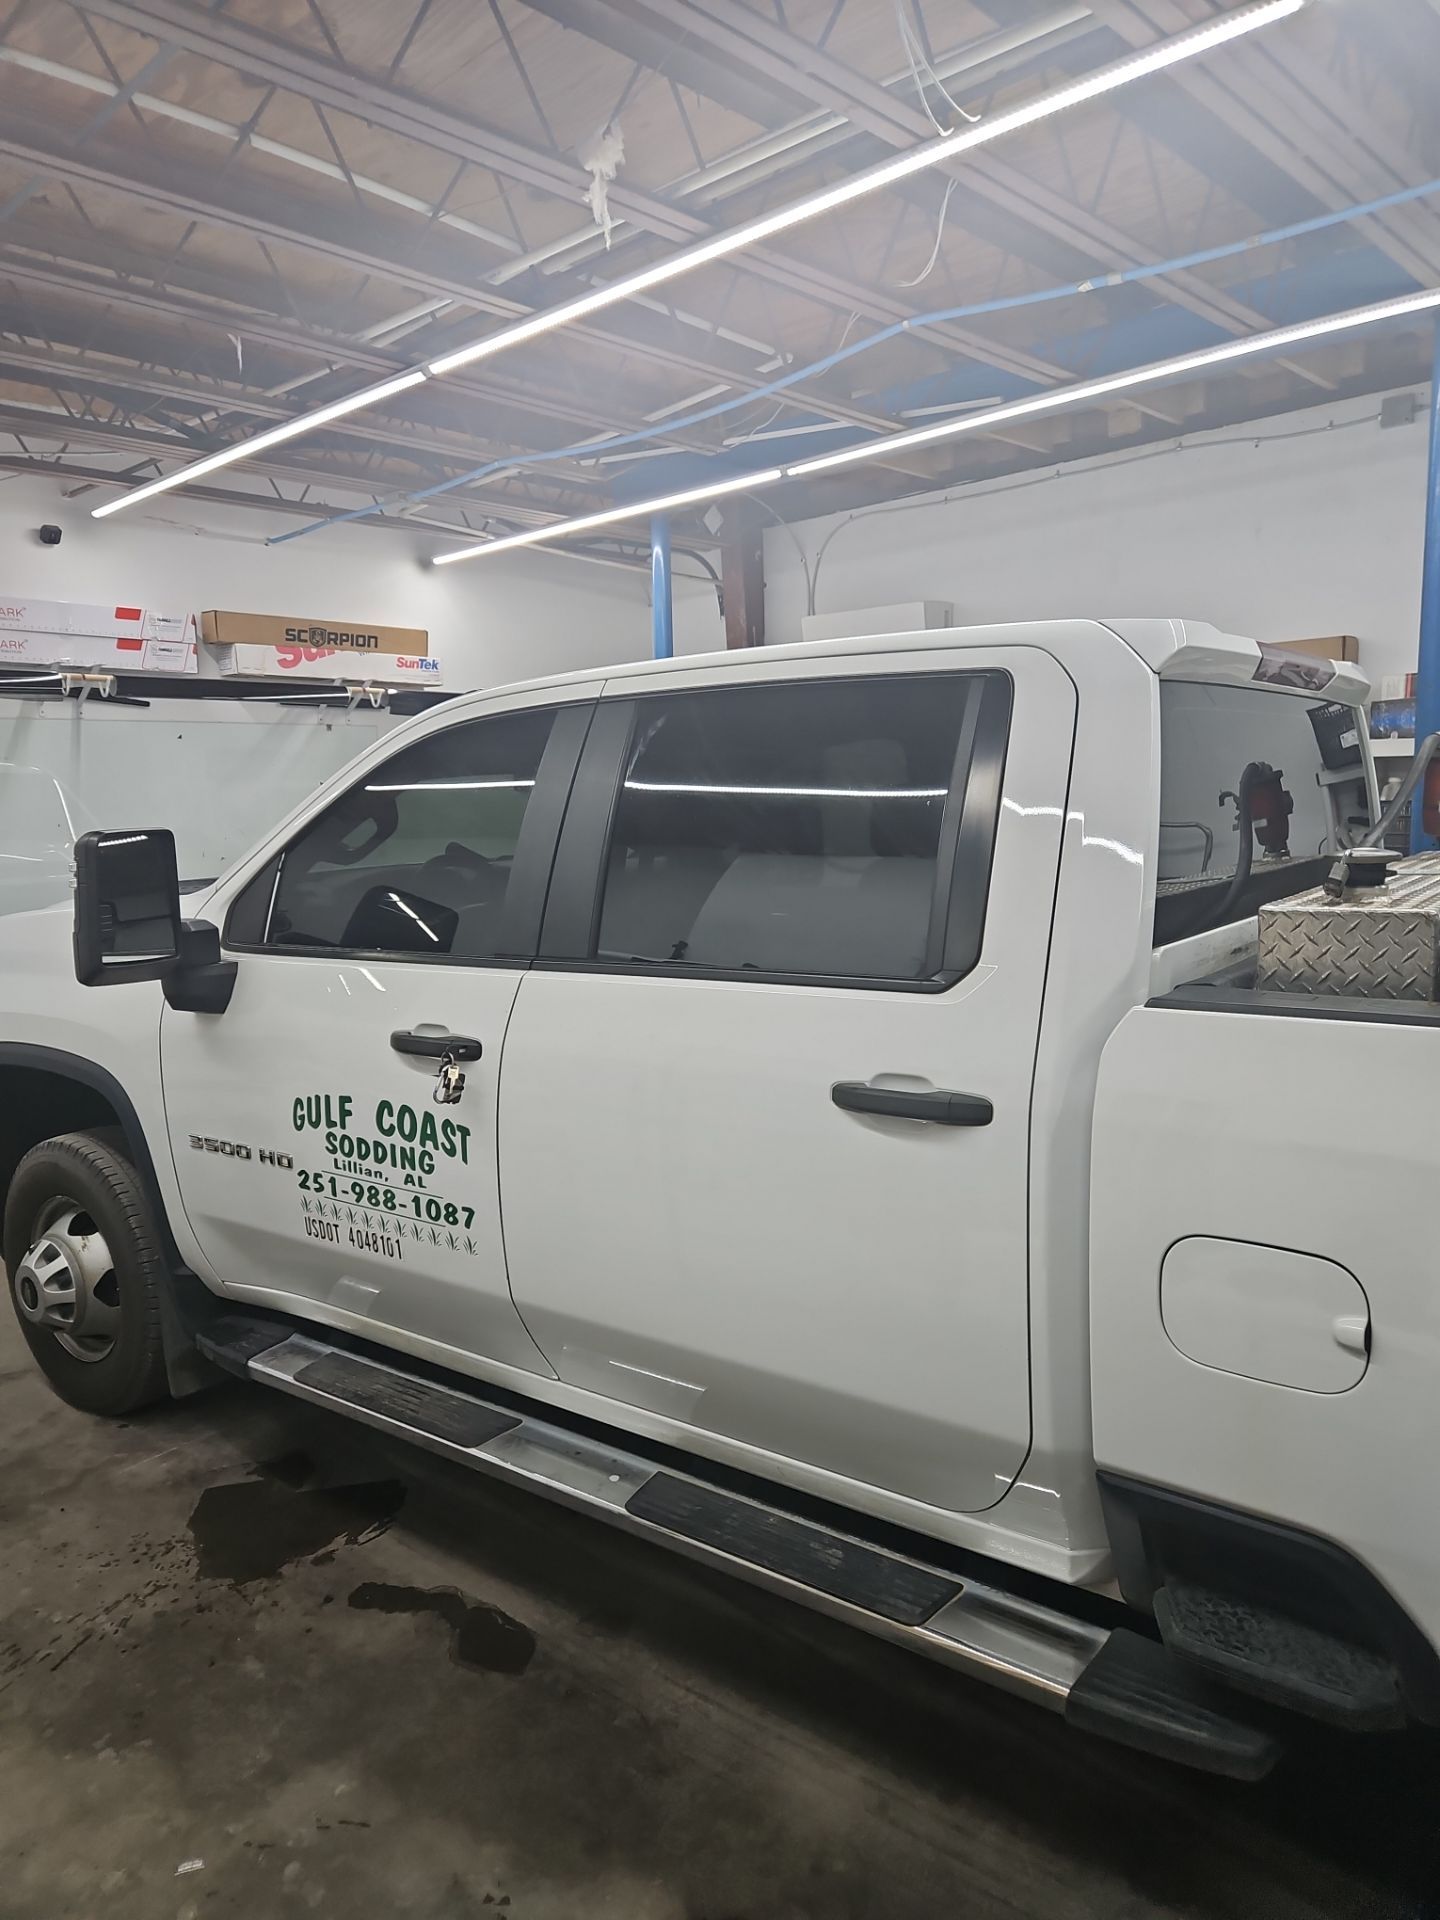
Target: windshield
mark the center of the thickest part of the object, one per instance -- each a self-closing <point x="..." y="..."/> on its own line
<point x="37" y="811"/>
<point x="41" y="822"/>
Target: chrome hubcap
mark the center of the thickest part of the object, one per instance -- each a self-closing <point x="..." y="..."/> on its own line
<point x="66" y="1283"/>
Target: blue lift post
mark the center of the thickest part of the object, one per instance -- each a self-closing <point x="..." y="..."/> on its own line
<point x="1427" y="680"/>
<point x="662" y="612"/>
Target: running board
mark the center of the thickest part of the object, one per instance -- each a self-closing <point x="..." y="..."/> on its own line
<point x="1091" y="1674"/>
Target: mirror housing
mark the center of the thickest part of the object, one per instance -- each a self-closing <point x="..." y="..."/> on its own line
<point x="128" y="925"/>
<point x="127" y="906"/>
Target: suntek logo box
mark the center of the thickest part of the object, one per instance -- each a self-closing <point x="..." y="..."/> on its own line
<point x="285" y="630"/>
<point x="416" y="663"/>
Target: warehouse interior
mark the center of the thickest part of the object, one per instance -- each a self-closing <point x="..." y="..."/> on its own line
<point x="356" y="360"/>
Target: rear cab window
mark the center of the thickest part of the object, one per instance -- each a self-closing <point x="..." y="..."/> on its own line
<point x="1209" y="734"/>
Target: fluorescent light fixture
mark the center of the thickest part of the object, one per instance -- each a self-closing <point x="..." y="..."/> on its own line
<point x="272" y="437"/>
<point x="1054" y="400"/>
<point x="715" y="491"/>
<point x="1167" y="53"/>
<point x="1155" y="59"/>
<point x="1086" y="390"/>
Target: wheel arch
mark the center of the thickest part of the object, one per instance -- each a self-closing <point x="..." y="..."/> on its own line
<point x="45" y="1091"/>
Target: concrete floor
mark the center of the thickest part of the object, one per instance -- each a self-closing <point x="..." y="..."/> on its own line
<point x="254" y="1662"/>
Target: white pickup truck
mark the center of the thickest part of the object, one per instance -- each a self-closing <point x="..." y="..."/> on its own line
<point x="823" y="1109"/>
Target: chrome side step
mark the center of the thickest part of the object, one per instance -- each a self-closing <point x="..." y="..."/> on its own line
<point x="1012" y="1642"/>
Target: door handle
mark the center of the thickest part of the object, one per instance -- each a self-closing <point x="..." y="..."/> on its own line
<point x="433" y="1046"/>
<point x="942" y="1109"/>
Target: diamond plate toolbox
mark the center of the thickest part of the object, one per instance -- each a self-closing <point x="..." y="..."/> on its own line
<point x="1378" y="942"/>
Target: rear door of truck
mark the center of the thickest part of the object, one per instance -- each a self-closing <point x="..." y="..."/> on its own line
<point x="765" y="1101"/>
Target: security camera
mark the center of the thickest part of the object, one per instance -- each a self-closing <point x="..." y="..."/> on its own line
<point x="50" y="536"/>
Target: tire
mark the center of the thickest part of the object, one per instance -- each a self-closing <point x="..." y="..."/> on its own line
<point x="87" y="1272"/>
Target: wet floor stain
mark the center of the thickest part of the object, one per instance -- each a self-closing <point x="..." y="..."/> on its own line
<point x="480" y="1636"/>
<point x="293" y="1469"/>
<point x="252" y="1529"/>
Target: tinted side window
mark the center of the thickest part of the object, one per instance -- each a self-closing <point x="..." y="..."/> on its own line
<point x="416" y="859"/>
<point x="1208" y="734"/>
<point x="789" y="829"/>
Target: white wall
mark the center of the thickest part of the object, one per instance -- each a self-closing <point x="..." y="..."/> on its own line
<point x="489" y="621"/>
<point x="1278" y="538"/>
<point x="218" y="774"/>
<point x="1259" y="532"/>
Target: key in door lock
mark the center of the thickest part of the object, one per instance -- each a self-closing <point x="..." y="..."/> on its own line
<point x="449" y="1081"/>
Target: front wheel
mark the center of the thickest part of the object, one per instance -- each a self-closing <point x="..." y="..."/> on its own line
<point x="87" y="1272"/>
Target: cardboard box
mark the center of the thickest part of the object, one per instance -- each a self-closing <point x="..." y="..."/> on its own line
<point x="77" y="618"/>
<point x="46" y="634"/>
<point x="286" y="630"/>
<point x="161" y="652"/>
<point x="1334" y="646"/>
<point x="329" y="664"/>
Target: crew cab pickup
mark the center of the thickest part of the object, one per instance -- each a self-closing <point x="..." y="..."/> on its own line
<point x="820" y="1108"/>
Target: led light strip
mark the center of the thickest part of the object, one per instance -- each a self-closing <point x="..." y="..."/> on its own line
<point x="717" y="489"/>
<point x="1168" y="53"/>
<point x="1155" y="59"/>
<point x="242" y="450"/>
<point x="1052" y="401"/>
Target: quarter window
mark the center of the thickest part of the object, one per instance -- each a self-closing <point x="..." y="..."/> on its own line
<point x="416" y="858"/>
<point x="803" y="829"/>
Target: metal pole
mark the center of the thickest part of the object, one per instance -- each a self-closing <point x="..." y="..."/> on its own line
<point x="662" y="612"/>
<point x="1427" y="679"/>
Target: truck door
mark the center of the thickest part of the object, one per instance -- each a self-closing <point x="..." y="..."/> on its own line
<point x="766" y="1104"/>
<point x="317" y="1170"/>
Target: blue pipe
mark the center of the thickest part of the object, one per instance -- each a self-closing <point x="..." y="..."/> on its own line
<point x="1427" y="683"/>
<point x="662" y="610"/>
<point x="977" y="309"/>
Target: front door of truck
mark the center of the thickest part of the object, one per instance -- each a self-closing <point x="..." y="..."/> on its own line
<point x="779" y="1047"/>
<point x="318" y="1171"/>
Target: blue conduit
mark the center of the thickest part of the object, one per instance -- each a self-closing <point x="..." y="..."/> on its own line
<point x="662" y="606"/>
<point x="1427" y="684"/>
<point x="1275" y="237"/>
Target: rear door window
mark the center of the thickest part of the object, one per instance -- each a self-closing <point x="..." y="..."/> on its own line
<point x="807" y="829"/>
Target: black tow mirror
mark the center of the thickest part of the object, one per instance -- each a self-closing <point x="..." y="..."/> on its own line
<point x="127" y="906"/>
<point x="128" y="925"/>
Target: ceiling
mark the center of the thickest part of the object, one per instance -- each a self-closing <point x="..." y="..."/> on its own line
<point x="217" y="214"/>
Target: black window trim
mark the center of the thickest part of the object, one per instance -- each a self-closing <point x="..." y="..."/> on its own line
<point x="963" y="859"/>
<point x="535" y="850"/>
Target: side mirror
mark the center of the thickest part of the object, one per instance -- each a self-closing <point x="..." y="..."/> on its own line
<point x="127" y="907"/>
<point x="128" y="925"/>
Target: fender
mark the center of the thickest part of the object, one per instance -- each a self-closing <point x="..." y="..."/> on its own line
<point x="73" y="1066"/>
